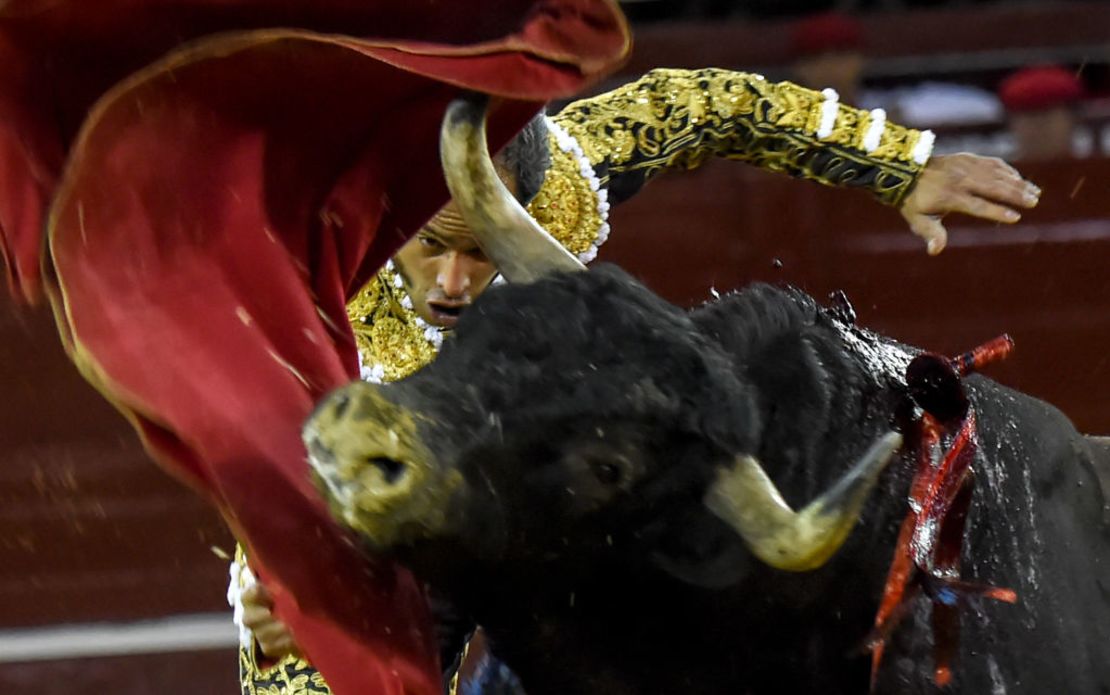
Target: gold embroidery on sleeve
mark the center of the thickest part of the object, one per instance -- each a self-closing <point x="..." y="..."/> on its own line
<point x="677" y="118"/>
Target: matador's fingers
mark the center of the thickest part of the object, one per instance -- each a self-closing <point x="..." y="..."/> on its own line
<point x="931" y="229"/>
<point x="997" y="181"/>
<point x="984" y="209"/>
<point x="275" y="641"/>
<point x="256" y="595"/>
<point x="257" y="617"/>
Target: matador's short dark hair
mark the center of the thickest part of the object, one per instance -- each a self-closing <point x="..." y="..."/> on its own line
<point x="526" y="157"/>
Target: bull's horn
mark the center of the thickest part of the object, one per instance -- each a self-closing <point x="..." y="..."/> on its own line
<point x="746" y="499"/>
<point x="520" y="248"/>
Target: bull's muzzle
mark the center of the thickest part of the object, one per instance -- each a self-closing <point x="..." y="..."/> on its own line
<point x="746" y="499"/>
<point x="377" y="476"/>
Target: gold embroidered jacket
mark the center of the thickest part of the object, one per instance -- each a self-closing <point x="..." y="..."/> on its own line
<point x="606" y="148"/>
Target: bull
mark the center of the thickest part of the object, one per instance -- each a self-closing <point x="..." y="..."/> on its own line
<point x="606" y="483"/>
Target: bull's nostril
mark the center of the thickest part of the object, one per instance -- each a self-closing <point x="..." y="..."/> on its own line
<point x="341" y="402"/>
<point x="392" y="470"/>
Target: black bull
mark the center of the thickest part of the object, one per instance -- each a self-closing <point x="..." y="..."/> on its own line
<point x="549" y="471"/>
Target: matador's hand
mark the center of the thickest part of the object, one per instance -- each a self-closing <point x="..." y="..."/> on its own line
<point x="272" y="636"/>
<point x="983" y="187"/>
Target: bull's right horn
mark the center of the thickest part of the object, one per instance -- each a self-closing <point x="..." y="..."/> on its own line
<point x="516" y="244"/>
<point x="746" y="499"/>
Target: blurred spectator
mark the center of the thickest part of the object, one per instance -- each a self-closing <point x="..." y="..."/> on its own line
<point x="828" y="51"/>
<point x="1041" y="105"/>
<point x="933" y="104"/>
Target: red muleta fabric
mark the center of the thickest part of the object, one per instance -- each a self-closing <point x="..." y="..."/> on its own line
<point x="215" y="202"/>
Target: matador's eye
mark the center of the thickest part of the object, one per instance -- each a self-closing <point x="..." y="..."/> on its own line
<point x="431" y="243"/>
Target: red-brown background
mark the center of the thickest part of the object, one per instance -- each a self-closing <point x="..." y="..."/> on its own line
<point x="91" y="531"/>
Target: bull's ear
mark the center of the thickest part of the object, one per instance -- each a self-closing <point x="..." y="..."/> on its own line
<point x="745" y="498"/>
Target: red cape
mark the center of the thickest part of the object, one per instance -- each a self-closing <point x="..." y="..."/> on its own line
<point x="213" y="211"/>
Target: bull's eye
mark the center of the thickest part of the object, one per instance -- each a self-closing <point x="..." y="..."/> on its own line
<point x="607" y="472"/>
<point x="392" y="470"/>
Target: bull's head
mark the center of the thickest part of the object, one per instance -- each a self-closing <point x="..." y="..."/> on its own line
<point x="569" y="409"/>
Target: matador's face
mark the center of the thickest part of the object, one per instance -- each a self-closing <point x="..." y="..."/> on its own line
<point x="443" y="267"/>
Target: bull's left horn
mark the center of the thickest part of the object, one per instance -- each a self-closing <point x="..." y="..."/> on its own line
<point x="746" y="499"/>
<point x="520" y="248"/>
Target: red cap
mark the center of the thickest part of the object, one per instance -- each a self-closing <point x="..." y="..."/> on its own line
<point x="1032" y="89"/>
<point x="825" y="33"/>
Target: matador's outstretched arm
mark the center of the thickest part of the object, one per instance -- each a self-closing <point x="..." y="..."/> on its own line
<point x="678" y="118"/>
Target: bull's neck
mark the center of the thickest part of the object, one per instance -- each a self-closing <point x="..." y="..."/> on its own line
<point x="825" y="392"/>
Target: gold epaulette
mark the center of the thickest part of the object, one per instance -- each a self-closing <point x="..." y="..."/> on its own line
<point x="571" y="205"/>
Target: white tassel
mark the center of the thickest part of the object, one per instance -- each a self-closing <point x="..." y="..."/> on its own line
<point x="829" y="109"/>
<point x="874" y="134"/>
<point x="924" y="148"/>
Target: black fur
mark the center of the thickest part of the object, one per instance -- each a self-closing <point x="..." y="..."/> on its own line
<point x="588" y="417"/>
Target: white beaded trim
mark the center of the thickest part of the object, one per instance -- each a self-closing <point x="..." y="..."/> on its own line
<point x="829" y="109"/>
<point x="567" y="143"/>
<point x="924" y="148"/>
<point x="375" y="374"/>
<point x="874" y="135"/>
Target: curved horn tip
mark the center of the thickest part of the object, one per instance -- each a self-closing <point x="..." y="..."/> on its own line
<point x="746" y="499"/>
